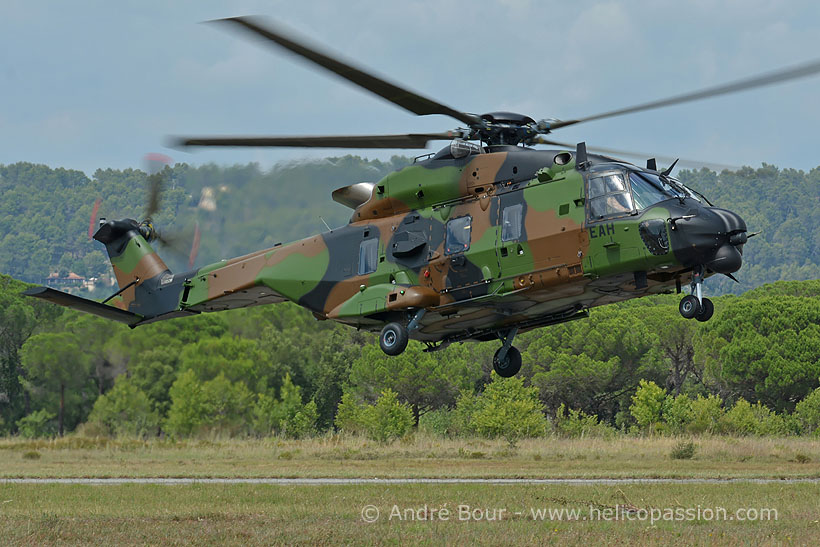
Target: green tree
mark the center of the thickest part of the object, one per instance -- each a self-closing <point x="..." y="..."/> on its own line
<point x="675" y="339"/>
<point x="510" y="410"/>
<point x="229" y="405"/>
<point x="707" y="413"/>
<point x="594" y="365"/>
<point x="780" y="203"/>
<point x="286" y="415"/>
<point x="333" y="370"/>
<point x="764" y="348"/>
<point x="239" y="360"/>
<point x="425" y="381"/>
<point x="348" y="416"/>
<point x="217" y="405"/>
<point x="385" y="420"/>
<point x="388" y="418"/>
<point x="124" y="411"/>
<point x="677" y="413"/>
<point x="740" y="419"/>
<point x="577" y="423"/>
<point x="190" y="409"/>
<point x="20" y="317"/>
<point x="54" y="363"/>
<point x="153" y="372"/>
<point x="37" y="424"/>
<point x="807" y="412"/>
<point x="95" y="335"/>
<point x="647" y="404"/>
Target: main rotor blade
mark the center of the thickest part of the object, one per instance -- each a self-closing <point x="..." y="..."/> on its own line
<point x="400" y="96"/>
<point x="770" y="78"/>
<point x="718" y="167"/>
<point x="340" y="141"/>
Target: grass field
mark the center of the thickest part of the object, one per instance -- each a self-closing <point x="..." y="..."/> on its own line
<point x="208" y="514"/>
<point x="335" y="456"/>
<point x="253" y="514"/>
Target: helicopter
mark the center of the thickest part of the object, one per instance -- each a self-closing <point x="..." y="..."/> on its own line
<point x="487" y="238"/>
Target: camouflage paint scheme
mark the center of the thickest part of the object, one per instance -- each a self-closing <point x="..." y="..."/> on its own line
<point x="560" y="264"/>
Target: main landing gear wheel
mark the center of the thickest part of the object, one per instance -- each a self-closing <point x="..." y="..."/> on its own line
<point x="707" y="309"/>
<point x="393" y="339"/>
<point x="689" y="306"/>
<point x="509" y="365"/>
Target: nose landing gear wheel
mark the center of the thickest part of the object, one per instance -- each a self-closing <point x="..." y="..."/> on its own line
<point x="707" y="309"/>
<point x="689" y="307"/>
<point x="509" y="365"/>
<point x="393" y="339"/>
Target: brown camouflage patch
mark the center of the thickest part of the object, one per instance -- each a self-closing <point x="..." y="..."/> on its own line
<point x="481" y="172"/>
<point x="243" y="272"/>
<point x="378" y="209"/>
<point x="342" y="292"/>
<point x="414" y="297"/>
<point x="553" y="240"/>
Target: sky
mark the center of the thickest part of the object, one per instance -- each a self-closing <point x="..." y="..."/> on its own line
<point x="97" y="84"/>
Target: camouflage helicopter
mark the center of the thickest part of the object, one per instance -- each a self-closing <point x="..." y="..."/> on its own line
<point x="487" y="238"/>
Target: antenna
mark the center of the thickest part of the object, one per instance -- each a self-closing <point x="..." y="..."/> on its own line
<point x="581" y="160"/>
<point x="325" y="223"/>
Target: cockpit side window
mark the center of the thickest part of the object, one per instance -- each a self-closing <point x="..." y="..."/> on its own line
<point x="609" y="196"/>
<point x="511" y="222"/>
<point x="368" y="256"/>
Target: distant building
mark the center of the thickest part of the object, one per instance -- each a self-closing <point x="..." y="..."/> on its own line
<point x="71" y="280"/>
<point x="75" y="284"/>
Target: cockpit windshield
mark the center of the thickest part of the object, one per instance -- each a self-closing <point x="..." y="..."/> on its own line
<point x="610" y="195"/>
<point x="649" y="189"/>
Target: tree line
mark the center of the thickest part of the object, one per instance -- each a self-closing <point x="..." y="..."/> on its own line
<point x="276" y="370"/>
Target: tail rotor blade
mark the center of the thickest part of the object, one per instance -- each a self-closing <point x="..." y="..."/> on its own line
<point x="92" y="224"/>
<point x="194" y="247"/>
<point x="155" y="165"/>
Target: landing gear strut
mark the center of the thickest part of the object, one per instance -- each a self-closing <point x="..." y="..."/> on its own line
<point x="507" y="360"/>
<point x="695" y="305"/>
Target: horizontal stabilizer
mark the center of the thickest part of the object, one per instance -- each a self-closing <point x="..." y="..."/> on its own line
<point x="85" y="305"/>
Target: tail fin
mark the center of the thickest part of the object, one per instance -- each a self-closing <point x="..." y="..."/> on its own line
<point x="132" y="258"/>
<point x="148" y="291"/>
<point x="147" y="286"/>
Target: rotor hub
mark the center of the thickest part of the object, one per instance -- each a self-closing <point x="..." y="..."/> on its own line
<point x="508" y="128"/>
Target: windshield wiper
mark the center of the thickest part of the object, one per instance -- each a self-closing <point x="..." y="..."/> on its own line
<point x="678" y="188"/>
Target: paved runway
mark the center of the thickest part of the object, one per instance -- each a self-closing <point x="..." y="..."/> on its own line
<point x="355" y="481"/>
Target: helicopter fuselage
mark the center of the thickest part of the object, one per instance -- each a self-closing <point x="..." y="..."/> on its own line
<point x="509" y="237"/>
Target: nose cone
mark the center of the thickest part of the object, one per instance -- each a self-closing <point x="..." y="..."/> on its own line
<point x="732" y="223"/>
<point x="713" y="238"/>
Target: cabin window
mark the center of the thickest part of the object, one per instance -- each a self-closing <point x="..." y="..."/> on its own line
<point x="458" y="235"/>
<point x="511" y="222"/>
<point x="609" y="196"/>
<point x="368" y="256"/>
